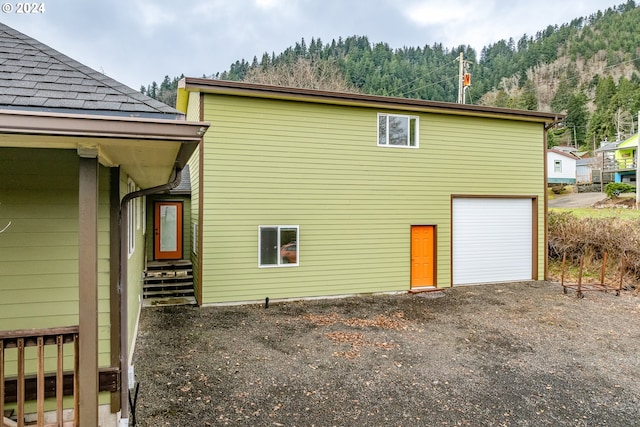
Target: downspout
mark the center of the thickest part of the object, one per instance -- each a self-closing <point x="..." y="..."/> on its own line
<point x="123" y="288"/>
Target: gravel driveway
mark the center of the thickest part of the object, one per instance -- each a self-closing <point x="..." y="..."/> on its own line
<point x="518" y="354"/>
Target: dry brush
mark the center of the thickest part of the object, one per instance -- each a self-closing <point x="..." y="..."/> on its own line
<point x="591" y="238"/>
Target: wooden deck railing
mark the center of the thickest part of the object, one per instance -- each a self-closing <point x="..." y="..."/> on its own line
<point x="627" y="163"/>
<point x="16" y="342"/>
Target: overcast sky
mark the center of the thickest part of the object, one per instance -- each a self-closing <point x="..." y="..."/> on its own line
<point x="139" y="41"/>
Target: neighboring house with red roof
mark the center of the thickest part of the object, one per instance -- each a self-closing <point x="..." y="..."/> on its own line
<point x="79" y="151"/>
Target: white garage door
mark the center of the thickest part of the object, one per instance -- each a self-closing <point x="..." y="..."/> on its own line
<point x="492" y="240"/>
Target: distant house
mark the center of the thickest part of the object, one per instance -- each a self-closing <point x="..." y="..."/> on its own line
<point x="78" y="154"/>
<point x="624" y="160"/>
<point x="561" y="167"/>
<point x="618" y="160"/>
<point x="303" y="193"/>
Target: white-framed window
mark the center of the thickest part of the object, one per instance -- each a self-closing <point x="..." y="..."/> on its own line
<point x="557" y="166"/>
<point x="131" y="218"/>
<point x="138" y="211"/>
<point x="194" y="239"/>
<point x="396" y="130"/>
<point x="278" y="245"/>
<point x="143" y="203"/>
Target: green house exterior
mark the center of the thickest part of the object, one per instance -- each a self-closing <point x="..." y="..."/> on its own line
<point x="625" y="160"/>
<point x="78" y="154"/>
<point x="312" y="162"/>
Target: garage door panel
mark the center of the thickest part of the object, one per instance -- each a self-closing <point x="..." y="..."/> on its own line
<point x="492" y="240"/>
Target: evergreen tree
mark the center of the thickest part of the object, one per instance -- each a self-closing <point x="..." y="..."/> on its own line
<point x="551" y="69"/>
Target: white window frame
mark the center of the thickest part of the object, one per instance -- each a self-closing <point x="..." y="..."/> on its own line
<point x="143" y="203"/>
<point x="131" y="218"/>
<point x="194" y="239"/>
<point x="138" y="210"/>
<point x="278" y="246"/>
<point x="557" y="166"/>
<point x="409" y="118"/>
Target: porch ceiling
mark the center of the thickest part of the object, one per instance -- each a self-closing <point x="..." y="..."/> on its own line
<point x="147" y="150"/>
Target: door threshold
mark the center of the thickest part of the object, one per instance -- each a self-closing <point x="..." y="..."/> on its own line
<point x="424" y="289"/>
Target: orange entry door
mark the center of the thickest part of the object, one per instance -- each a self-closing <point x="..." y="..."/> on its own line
<point x="168" y="230"/>
<point x="423" y="255"/>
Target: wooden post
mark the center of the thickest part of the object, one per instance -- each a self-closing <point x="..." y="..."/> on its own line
<point x="114" y="274"/>
<point x="88" y="288"/>
<point x="1" y="380"/>
<point x="580" y="276"/>
<point x="20" y="386"/>
<point x="59" y="380"/>
<point x="604" y="267"/>
<point x="40" y="382"/>
<point x="76" y="380"/>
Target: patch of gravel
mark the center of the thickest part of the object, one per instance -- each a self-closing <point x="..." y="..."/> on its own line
<point x="517" y="354"/>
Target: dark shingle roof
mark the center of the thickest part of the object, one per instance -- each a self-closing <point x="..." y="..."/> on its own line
<point x="34" y="76"/>
<point x="185" y="183"/>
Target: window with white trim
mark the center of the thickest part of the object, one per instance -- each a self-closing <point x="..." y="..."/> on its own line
<point x="138" y="211"/>
<point x="194" y="239"/>
<point x="278" y="245"/>
<point x="131" y="218"/>
<point x="557" y="166"/>
<point x="395" y="130"/>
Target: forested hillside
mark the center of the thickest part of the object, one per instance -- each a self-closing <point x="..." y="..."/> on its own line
<point x="588" y="69"/>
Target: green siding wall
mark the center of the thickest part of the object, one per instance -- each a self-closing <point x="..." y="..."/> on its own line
<point x="39" y="251"/>
<point x="135" y="263"/>
<point x="192" y="220"/>
<point x="270" y="162"/>
<point x="193" y="114"/>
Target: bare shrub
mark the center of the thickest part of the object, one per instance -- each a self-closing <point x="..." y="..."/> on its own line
<point x="591" y="238"/>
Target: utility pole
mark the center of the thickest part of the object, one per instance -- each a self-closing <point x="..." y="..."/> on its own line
<point x="460" y="77"/>
<point x="464" y="78"/>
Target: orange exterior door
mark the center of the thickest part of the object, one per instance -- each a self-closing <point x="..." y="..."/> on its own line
<point x="423" y="255"/>
<point x="168" y="230"/>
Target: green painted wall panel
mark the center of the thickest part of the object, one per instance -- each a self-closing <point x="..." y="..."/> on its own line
<point x="194" y="168"/>
<point x="135" y="262"/>
<point x="39" y="251"/>
<point x="270" y="162"/>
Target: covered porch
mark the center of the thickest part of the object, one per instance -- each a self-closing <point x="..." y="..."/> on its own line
<point x="73" y="254"/>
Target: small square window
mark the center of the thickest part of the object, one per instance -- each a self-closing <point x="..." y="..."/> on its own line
<point x="557" y="166"/>
<point x="278" y="245"/>
<point x="397" y="130"/>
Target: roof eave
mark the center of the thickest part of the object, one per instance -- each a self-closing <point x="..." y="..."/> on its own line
<point x="354" y="99"/>
<point x="148" y="150"/>
<point x="88" y="125"/>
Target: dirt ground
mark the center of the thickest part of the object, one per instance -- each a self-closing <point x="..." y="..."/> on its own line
<point x="517" y="354"/>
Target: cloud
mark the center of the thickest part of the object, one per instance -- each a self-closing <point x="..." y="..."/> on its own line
<point x="269" y="4"/>
<point x="451" y="13"/>
<point x="139" y="41"/>
<point x="152" y="14"/>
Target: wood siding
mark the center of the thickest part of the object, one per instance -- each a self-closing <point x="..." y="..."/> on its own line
<point x="193" y="114"/>
<point x="136" y="264"/>
<point x="271" y="162"/>
<point x="39" y="251"/>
